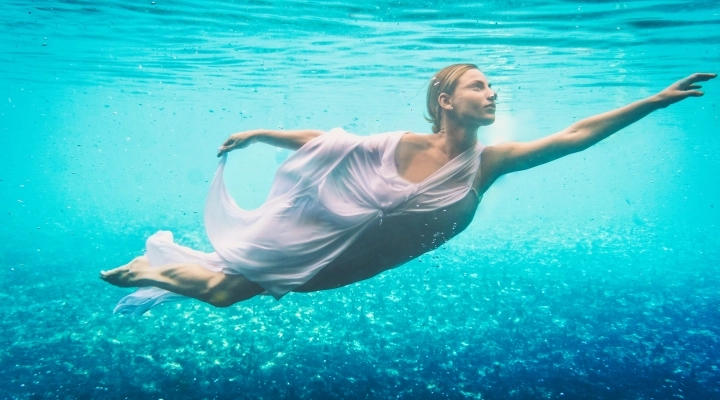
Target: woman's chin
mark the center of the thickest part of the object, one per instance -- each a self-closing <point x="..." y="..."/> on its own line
<point x="487" y="121"/>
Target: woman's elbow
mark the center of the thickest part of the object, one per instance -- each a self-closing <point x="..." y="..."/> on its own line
<point x="573" y="141"/>
<point x="308" y="135"/>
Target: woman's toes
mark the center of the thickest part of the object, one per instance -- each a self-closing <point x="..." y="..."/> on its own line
<point x="122" y="276"/>
<point x="127" y="275"/>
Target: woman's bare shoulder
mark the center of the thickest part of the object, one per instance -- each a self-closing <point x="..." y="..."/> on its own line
<point x="416" y="140"/>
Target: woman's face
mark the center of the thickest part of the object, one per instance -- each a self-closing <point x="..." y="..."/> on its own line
<point x="473" y="100"/>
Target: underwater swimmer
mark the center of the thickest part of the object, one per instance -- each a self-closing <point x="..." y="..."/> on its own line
<point x="460" y="100"/>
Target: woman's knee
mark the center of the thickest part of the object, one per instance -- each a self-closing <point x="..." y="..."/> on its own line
<point x="231" y="289"/>
<point x="221" y="300"/>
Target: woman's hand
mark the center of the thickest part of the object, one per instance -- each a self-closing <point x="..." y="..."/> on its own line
<point x="235" y="141"/>
<point x="683" y="89"/>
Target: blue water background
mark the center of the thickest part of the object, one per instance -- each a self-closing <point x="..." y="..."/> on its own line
<point x="593" y="276"/>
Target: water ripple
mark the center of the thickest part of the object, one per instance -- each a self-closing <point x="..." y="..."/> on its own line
<point x="171" y="42"/>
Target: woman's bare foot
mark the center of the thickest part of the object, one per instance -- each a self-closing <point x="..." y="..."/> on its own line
<point x="129" y="275"/>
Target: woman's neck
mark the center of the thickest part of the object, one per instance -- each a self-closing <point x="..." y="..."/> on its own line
<point x="457" y="138"/>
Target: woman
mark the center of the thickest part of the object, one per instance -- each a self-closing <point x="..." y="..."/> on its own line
<point x="344" y="208"/>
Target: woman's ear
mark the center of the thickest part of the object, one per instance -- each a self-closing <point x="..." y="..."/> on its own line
<point x="444" y="101"/>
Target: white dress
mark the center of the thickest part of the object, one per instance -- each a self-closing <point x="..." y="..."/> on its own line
<point x="322" y="199"/>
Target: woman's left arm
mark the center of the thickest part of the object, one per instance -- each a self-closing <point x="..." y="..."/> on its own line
<point x="292" y="139"/>
<point x="517" y="156"/>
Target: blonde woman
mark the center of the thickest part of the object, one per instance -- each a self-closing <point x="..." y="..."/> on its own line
<point x="344" y="208"/>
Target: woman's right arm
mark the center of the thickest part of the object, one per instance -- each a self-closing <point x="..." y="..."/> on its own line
<point x="292" y="140"/>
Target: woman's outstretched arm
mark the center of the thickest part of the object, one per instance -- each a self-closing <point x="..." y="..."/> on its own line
<point x="517" y="156"/>
<point x="287" y="139"/>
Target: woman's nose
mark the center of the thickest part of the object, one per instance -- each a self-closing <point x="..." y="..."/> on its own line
<point x="493" y="97"/>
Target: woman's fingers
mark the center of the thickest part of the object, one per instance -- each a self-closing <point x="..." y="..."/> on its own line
<point x="699" y="77"/>
<point x="684" y="88"/>
<point x="235" y="141"/>
<point x="227" y="146"/>
<point x="689" y="82"/>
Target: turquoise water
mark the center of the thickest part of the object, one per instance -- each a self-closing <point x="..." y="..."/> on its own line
<point x="594" y="276"/>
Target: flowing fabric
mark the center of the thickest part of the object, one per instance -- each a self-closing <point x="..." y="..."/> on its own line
<point x="322" y="199"/>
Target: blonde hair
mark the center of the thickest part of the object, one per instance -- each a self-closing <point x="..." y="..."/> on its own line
<point x="444" y="81"/>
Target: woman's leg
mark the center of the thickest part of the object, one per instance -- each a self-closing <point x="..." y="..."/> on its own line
<point x="190" y="280"/>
